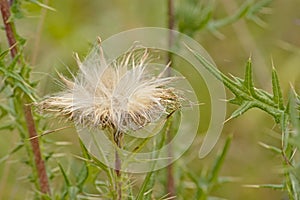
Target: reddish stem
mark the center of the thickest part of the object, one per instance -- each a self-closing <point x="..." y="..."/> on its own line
<point x="39" y="162"/>
<point x="170" y="173"/>
<point x="8" y="25"/>
<point x="118" y="140"/>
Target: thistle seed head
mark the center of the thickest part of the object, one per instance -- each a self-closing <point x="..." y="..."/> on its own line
<point x="123" y="96"/>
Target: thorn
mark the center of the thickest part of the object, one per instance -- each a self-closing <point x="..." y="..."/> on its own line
<point x="48" y="132"/>
<point x="293" y="89"/>
<point x="230" y="118"/>
<point x="225" y="100"/>
<point x="264" y="145"/>
<point x="250" y="57"/>
<point x="251" y="186"/>
<point x="99" y="40"/>
<point x="272" y="63"/>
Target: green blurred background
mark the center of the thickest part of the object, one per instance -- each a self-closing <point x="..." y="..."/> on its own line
<point x="76" y="24"/>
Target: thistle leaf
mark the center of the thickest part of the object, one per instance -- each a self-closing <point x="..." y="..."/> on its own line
<point x="242" y="109"/>
<point x="277" y="94"/>
<point x="248" y="82"/>
<point x="246" y="95"/>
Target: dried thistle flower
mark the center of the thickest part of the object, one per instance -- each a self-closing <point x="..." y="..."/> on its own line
<point x="122" y="96"/>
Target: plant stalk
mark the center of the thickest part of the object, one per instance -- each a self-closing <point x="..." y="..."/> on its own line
<point x="9" y="27"/>
<point x="170" y="167"/>
<point x="39" y="162"/>
<point x="118" y="187"/>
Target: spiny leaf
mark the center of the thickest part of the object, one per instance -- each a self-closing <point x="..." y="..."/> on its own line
<point x="245" y="94"/>
<point x="248" y="82"/>
<point x="246" y="105"/>
<point x="17" y="81"/>
<point x="277" y="94"/>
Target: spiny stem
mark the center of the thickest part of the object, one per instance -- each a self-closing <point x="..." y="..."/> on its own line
<point x="171" y="26"/>
<point x="39" y="162"/>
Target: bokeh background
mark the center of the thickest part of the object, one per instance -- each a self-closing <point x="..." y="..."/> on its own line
<point x="53" y="36"/>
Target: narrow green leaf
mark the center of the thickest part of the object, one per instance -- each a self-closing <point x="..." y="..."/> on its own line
<point x="201" y="186"/>
<point x="213" y="175"/>
<point x="14" y="150"/>
<point x="246" y="105"/>
<point x="248" y="82"/>
<point x="64" y="175"/>
<point x="236" y="101"/>
<point x="82" y="175"/>
<point x="277" y="94"/>
<point x="73" y="191"/>
<point x="3" y="54"/>
<point x="147" y="186"/>
<point x="84" y="150"/>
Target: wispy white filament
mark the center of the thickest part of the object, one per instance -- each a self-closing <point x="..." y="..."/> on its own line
<point x="123" y="95"/>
